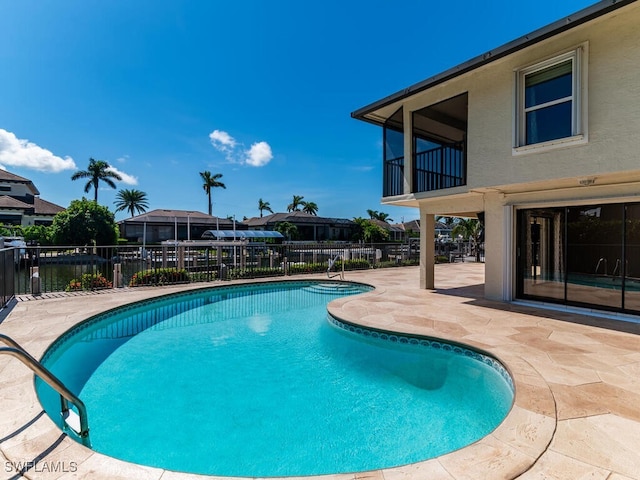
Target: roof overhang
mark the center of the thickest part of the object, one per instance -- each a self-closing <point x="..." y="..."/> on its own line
<point x="371" y="113"/>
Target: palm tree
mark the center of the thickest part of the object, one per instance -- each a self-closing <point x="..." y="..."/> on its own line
<point x="264" y="206"/>
<point x="295" y="204"/>
<point x="289" y="230"/>
<point x="376" y="215"/>
<point x="132" y="200"/>
<point x="373" y="214"/>
<point x="98" y="170"/>
<point x="384" y="217"/>
<point x="311" y="208"/>
<point x="448" y="221"/>
<point x="471" y="229"/>
<point x="211" y="181"/>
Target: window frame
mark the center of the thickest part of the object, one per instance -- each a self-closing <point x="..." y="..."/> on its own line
<point x="578" y="97"/>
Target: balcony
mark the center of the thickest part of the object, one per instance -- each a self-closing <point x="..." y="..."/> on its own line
<point x="438" y="133"/>
<point x="439" y="168"/>
<point x="393" y="177"/>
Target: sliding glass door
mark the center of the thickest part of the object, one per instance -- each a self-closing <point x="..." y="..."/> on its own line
<point x="631" y="264"/>
<point x="594" y="255"/>
<point x="587" y="255"/>
<point x="541" y="253"/>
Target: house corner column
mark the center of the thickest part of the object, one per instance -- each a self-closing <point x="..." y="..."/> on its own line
<point x="499" y="248"/>
<point x="427" y="250"/>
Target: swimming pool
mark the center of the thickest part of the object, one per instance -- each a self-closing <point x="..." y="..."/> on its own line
<point x="334" y="397"/>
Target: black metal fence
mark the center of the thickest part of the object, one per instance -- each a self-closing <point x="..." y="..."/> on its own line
<point x="7" y="275"/>
<point x="38" y="270"/>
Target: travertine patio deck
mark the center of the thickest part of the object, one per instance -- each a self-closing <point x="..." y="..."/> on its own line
<point x="576" y="413"/>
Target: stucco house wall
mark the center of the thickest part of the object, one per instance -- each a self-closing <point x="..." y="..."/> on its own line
<point x="603" y="165"/>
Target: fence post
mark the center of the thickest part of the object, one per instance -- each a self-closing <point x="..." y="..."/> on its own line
<point x="36" y="284"/>
<point x="180" y="259"/>
<point x="117" y="275"/>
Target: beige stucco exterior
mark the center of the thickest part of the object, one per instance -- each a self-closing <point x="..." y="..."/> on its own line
<point x="501" y="178"/>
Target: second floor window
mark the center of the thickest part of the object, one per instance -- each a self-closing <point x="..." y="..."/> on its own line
<point x="549" y="101"/>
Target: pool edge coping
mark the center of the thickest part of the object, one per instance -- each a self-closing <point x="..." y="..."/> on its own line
<point x="514" y="446"/>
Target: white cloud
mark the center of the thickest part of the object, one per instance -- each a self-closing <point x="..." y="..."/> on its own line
<point x="259" y="154"/>
<point x="222" y="141"/>
<point x="126" y="178"/>
<point x="16" y="152"/>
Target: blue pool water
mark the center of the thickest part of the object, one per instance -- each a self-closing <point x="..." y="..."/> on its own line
<point x="254" y="381"/>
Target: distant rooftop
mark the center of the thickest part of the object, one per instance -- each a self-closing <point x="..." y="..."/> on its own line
<point x="181" y="216"/>
<point x="294" y="217"/>
<point x="9" y="177"/>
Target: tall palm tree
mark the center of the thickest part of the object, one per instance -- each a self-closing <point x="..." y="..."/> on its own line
<point x="97" y="171"/>
<point x="295" y="204"/>
<point x="211" y="181"/>
<point x="131" y="200"/>
<point x="311" y="208"/>
<point x="264" y="206"/>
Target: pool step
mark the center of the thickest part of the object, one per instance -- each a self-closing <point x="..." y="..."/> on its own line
<point x="332" y="288"/>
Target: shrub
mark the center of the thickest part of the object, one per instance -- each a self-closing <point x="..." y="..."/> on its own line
<point x="203" y="276"/>
<point x="255" y="272"/>
<point x="88" y="281"/>
<point x="397" y="263"/>
<point x="307" y="268"/>
<point x="354" y="264"/>
<point x="159" y="276"/>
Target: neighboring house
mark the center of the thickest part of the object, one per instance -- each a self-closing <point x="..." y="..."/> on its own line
<point x="160" y="225"/>
<point x="540" y="140"/>
<point x="411" y="229"/>
<point x="20" y="203"/>
<point x="310" y="227"/>
<point x="396" y="230"/>
<point x="440" y="230"/>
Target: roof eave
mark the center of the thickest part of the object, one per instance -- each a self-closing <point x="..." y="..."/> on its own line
<point x="585" y="15"/>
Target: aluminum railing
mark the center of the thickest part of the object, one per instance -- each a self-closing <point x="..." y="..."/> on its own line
<point x="77" y="422"/>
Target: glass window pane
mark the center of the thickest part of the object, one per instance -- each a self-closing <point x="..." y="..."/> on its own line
<point x="549" y="84"/>
<point x="541" y="247"/>
<point x="393" y="132"/>
<point x="549" y="123"/>
<point x="632" y="260"/>
<point x="594" y="249"/>
<point x="423" y="145"/>
<point x="394" y="144"/>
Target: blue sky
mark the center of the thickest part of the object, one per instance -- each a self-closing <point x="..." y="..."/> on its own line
<point x="259" y="91"/>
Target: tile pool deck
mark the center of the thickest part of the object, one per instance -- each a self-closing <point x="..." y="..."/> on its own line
<point x="576" y="413"/>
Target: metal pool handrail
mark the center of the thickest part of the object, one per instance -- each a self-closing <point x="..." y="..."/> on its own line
<point x="78" y="423"/>
<point x="332" y="263"/>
